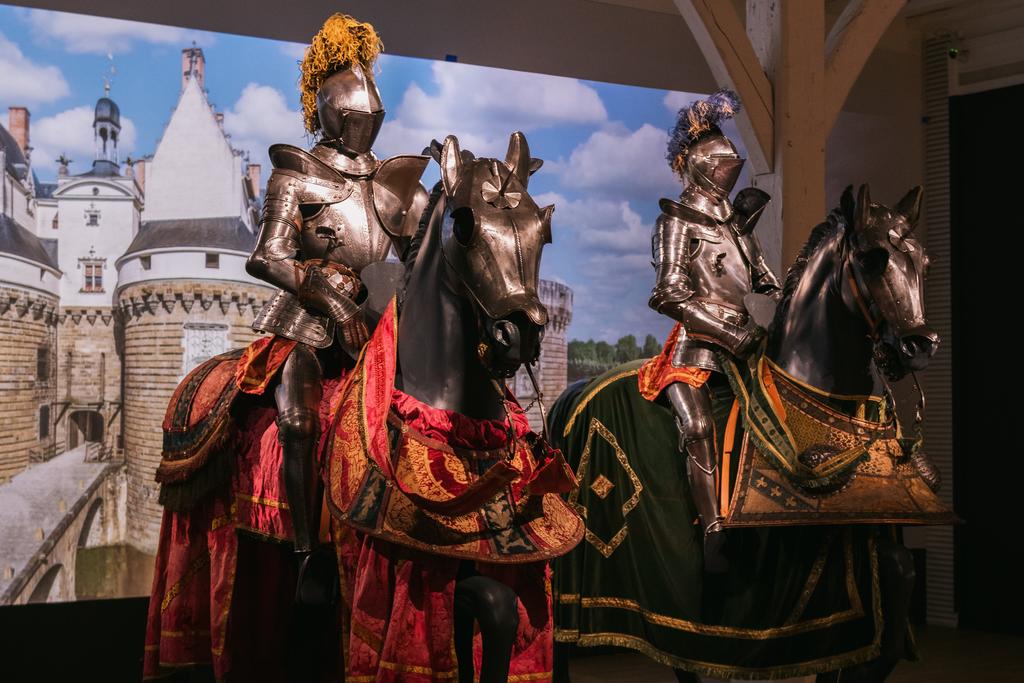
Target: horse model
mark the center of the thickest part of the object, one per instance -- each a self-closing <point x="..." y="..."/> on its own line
<point x="443" y="505"/>
<point x="818" y="582"/>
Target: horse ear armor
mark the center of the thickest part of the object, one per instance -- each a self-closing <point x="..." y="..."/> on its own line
<point x="451" y="164"/>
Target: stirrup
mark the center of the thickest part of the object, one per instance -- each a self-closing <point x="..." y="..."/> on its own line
<point x="715" y="527"/>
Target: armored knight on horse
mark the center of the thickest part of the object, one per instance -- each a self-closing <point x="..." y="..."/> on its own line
<point x="327" y="214"/>
<point x="707" y="259"/>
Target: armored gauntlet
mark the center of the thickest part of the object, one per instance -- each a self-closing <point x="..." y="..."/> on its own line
<point x="332" y="291"/>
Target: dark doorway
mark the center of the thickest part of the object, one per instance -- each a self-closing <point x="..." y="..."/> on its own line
<point x="85" y="425"/>
<point x="986" y="148"/>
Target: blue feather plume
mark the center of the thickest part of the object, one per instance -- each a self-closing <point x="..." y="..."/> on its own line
<point x="698" y="118"/>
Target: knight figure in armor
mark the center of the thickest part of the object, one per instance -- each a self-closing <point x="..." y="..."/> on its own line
<point x="328" y="213"/>
<point x="707" y="259"/>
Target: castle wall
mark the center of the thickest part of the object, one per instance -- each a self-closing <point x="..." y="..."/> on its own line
<point x="88" y="376"/>
<point x="27" y="324"/>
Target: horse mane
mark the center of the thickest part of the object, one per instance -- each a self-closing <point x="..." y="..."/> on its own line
<point x="421" y="230"/>
<point x="835" y="222"/>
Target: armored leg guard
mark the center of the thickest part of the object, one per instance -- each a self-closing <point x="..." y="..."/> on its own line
<point x="298" y="423"/>
<point x="696" y="440"/>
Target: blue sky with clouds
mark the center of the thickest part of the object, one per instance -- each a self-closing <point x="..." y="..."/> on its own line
<point x="603" y="144"/>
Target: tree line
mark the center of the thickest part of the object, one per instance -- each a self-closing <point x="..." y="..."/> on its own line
<point x="590" y="358"/>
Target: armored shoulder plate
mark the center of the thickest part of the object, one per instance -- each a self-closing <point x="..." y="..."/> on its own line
<point x="749" y="205"/>
<point x="696" y="224"/>
<point x="296" y="159"/>
<point x="307" y="189"/>
<point x="397" y="192"/>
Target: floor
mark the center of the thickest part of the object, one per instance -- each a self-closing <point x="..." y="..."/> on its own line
<point x="947" y="656"/>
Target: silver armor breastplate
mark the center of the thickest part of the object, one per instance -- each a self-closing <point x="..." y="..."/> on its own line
<point x="347" y="232"/>
<point x="323" y="207"/>
<point x="718" y="269"/>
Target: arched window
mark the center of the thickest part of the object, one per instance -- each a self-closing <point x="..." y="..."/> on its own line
<point x="56" y="221"/>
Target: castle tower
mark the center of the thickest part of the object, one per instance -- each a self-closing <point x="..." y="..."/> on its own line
<point x="182" y="291"/>
<point x="29" y="292"/>
<point x="552" y="368"/>
<point x="106" y="128"/>
<point x="93" y="217"/>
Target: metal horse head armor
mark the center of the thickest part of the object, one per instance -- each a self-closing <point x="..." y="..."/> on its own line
<point x="492" y="235"/>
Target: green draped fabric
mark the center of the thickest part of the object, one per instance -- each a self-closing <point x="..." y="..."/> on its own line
<point x="797" y="600"/>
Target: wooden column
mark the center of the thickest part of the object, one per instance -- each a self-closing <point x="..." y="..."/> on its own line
<point x="792" y="82"/>
<point x="800" y="131"/>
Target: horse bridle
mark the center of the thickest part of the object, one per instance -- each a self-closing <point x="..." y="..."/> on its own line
<point x="867" y="306"/>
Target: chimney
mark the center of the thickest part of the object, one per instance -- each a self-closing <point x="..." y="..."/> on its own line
<point x="193" y="65"/>
<point x="253" y="171"/>
<point x="17" y="123"/>
<point x="220" y="119"/>
<point x="140" y="173"/>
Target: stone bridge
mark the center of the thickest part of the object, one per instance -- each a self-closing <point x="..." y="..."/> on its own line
<point x="47" y="514"/>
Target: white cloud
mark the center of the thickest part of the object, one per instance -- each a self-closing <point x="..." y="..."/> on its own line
<point x="674" y="100"/>
<point x="625" y="163"/>
<point x="294" y="50"/>
<point x="70" y="132"/>
<point x="260" y="118"/>
<point x="24" y="82"/>
<point x="83" y="34"/>
<point x="482" y="106"/>
<point x="610" y="247"/>
<point x="599" y="225"/>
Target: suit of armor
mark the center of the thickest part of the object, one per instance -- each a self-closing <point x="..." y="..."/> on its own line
<point x="707" y="259"/>
<point x="327" y="214"/>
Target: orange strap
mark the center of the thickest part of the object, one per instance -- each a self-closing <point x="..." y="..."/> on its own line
<point x="727" y="446"/>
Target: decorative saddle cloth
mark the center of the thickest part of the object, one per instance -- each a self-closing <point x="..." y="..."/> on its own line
<point x="438" y="481"/>
<point x="808" y="457"/>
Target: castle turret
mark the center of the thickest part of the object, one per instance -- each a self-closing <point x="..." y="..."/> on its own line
<point x="29" y="294"/>
<point x="552" y="369"/>
<point x="182" y="290"/>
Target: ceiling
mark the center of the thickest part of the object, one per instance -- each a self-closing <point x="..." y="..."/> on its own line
<point x="636" y="42"/>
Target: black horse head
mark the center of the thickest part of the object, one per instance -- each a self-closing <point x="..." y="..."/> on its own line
<point x="886" y="269"/>
<point x="492" y="235"/>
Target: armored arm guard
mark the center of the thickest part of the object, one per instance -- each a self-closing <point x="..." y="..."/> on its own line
<point x="277" y="257"/>
<point x="673" y="293"/>
<point x="749" y="205"/>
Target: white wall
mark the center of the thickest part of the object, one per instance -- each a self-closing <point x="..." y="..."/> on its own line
<point x="17" y="271"/>
<point x="182" y="264"/>
<point x="119" y="205"/>
<point x="194" y="172"/>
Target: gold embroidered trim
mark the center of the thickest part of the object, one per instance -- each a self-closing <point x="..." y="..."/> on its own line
<point x="606" y="548"/>
<point x="219" y="649"/>
<point x="712" y="670"/>
<point x="812" y="581"/>
<point x="194" y="567"/>
<point x="715" y="630"/>
<point x="590" y="396"/>
<point x="538" y="676"/>
<point x="367" y="636"/>
<point x="184" y="634"/>
<point x="414" y="669"/>
<point x="269" y="502"/>
<point x="863" y="398"/>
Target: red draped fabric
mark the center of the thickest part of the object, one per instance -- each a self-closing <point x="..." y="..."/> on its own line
<point x="658" y="372"/>
<point x="217" y="594"/>
<point x="400" y="598"/>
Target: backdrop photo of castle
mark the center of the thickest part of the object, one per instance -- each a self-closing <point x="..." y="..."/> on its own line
<point x="123" y="267"/>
